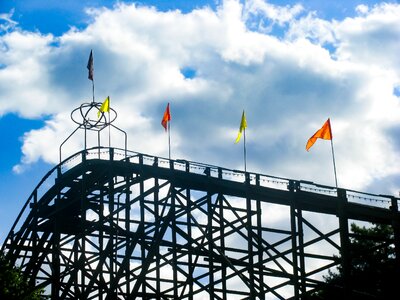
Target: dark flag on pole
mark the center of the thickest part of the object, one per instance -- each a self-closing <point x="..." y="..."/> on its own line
<point x="90" y="66"/>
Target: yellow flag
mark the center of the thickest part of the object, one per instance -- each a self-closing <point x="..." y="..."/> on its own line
<point x="243" y="125"/>
<point x="105" y="107"/>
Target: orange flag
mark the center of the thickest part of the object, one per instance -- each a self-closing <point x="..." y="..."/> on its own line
<point x="324" y="133"/>
<point x="166" y="118"/>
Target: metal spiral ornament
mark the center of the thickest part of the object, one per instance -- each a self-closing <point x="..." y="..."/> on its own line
<point x="86" y="116"/>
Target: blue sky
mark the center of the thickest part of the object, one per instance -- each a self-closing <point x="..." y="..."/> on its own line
<point x="289" y="64"/>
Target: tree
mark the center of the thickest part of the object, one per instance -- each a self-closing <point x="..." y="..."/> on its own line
<point x="373" y="273"/>
<point x="13" y="283"/>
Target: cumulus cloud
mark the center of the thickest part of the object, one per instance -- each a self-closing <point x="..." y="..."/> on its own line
<point x="288" y="85"/>
<point x="371" y="37"/>
<point x="313" y="28"/>
<point x="6" y="21"/>
<point x="50" y="136"/>
<point x="263" y="15"/>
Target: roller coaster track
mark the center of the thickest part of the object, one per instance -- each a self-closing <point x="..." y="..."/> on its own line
<point x="108" y="223"/>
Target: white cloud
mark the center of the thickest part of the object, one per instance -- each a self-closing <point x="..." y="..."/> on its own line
<point x="371" y="37"/>
<point x="362" y="9"/>
<point x="23" y="81"/>
<point x="6" y="21"/>
<point x="36" y="143"/>
<point x="259" y="12"/>
<point x="288" y="86"/>
<point x="313" y="28"/>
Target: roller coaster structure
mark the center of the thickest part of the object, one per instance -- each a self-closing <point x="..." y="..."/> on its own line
<point x="108" y="223"/>
<point x="124" y="225"/>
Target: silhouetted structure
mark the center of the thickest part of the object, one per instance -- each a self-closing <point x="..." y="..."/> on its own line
<point x="143" y="227"/>
<point x="108" y="223"/>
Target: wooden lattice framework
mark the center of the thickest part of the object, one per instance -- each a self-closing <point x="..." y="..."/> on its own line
<point x="111" y="224"/>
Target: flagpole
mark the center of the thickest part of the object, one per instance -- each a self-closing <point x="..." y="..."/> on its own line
<point x="93" y="89"/>
<point x="169" y="139"/>
<point x="109" y="129"/>
<point x="334" y="164"/>
<point x="244" y="148"/>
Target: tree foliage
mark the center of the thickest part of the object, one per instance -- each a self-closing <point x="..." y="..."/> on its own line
<point x="14" y="285"/>
<point x="373" y="267"/>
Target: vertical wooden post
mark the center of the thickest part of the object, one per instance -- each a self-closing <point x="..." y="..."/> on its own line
<point x="260" y="248"/>
<point x="293" y="227"/>
<point x="249" y="226"/>
<point x="301" y="252"/>
<point x="143" y="221"/>
<point x="396" y="231"/>
<point x="344" y="240"/>
<point x="210" y="239"/>
<point x="55" y="255"/>
<point x="157" y="221"/>
<point x="174" y="243"/>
